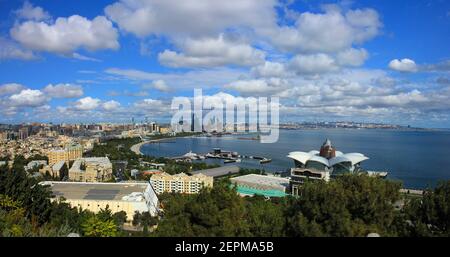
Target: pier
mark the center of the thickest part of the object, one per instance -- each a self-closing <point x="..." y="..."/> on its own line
<point x="217" y="153"/>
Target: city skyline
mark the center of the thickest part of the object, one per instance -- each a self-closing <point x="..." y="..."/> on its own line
<point x="109" y="60"/>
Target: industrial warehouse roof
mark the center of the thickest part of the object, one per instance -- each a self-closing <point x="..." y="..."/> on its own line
<point x="262" y="182"/>
<point x="218" y="172"/>
<point x="96" y="191"/>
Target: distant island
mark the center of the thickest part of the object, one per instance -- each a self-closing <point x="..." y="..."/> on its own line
<point x="346" y="124"/>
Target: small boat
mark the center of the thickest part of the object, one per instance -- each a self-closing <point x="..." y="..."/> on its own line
<point x="229" y="161"/>
<point x="210" y="155"/>
<point x="190" y="155"/>
<point x="265" y="160"/>
<point x="382" y="174"/>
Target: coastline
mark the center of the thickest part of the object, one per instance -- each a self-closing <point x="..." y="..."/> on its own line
<point x="137" y="147"/>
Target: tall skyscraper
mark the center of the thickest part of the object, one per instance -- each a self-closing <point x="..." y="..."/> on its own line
<point x="23" y="133"/>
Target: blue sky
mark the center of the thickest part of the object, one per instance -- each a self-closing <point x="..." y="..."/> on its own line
<point x="97" y="61"/>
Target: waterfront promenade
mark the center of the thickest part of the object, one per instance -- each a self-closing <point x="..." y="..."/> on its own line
<point x="137" y="147"/>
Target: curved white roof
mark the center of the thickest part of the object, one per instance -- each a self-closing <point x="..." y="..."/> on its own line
<point x="339" y="159"/>
<point x="353" y="158"/>
<point x="303" y="157"/>
<point x="320" y="159"/>
<point x="356" y="157"/>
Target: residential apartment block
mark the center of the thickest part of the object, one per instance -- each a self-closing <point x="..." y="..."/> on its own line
<point x="180" y="183"/>
<point x="70" y="153"/>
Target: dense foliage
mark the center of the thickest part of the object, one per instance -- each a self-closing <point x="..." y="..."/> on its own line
<point x="350" y="205"/>
<point x="430" y="215"/>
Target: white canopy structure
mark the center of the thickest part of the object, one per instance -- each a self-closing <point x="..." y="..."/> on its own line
<point x="324" y="165"/>
<point x="327" y="160"/>
<point x="304" y="157"/>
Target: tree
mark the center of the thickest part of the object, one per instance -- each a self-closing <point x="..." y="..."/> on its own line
<point x="120" y="218"/>
<point x="350" y="205"/>
<point x="145" y="220"/>
<point x="213" y="212"/>
<point x="95" y="227"/>
<point x="265" y="218"/>
<point x="13" y="222"/>
<point x="430" y="215"/>
<point x="34" y="197"/>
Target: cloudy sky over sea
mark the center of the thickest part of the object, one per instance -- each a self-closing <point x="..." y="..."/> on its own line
<point x="110" y="60"/>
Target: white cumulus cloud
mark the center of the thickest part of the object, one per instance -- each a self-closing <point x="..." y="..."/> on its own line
<point x="11" y="50"/>
<point x="160" y="85"/>
<point x="111" y="105"/>
<point x="66" y="35"/>
<point x="30" y="12"/>
<point x="258" y="86"/>
<point x="210" y="52"/>
<point x="313" y="64"/>
<point x="87" y="104"/>
<point x="28" y="98"/>
<point x="270" y="69"/>
<point x="189" y="17"/>
<point x="331" y="31"/>
<point x="10" y="88"/>
<point x="352" y="57"/>
<point x="63" y="90"/>
<point x="403" y="65"/>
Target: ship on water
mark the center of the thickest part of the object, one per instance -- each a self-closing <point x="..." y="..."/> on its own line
<point x="325" y="164"/>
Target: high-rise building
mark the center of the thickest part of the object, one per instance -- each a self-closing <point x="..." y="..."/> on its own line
<point x="180" y="183"/>
<point x="154" y="127"/>
<point x="23" y="133"/>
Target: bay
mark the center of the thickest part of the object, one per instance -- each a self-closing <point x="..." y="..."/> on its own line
<point x="418" y="158"/>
